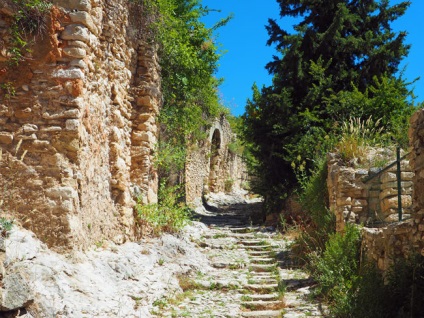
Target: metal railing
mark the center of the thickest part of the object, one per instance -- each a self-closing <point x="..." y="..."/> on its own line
<point x="398" y="178"/>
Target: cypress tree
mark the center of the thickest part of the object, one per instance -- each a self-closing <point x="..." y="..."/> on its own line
<point x="337" y="47"/>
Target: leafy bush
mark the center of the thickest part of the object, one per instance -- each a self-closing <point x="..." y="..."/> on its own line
<point x="337" y="270"/>
<point x="399" y="294"/>
<point x="170" y="214"/>
<point x="313" y="198"/>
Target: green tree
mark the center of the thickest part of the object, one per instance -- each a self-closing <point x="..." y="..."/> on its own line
<point x="189" y="59"/>
<point x="341" y="60"/>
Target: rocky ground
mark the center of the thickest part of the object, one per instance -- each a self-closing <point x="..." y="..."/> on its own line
<point x="223" y="265"/>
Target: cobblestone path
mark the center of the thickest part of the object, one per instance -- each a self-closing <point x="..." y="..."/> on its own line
<point x="250" y="275"/>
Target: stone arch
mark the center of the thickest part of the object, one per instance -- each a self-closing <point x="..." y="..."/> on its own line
<point x="215" y="157"/>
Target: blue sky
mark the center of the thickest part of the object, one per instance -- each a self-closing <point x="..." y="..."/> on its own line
<point x="244" y="40"/>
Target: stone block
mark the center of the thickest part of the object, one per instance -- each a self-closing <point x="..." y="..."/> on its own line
<point x="29" y="128"/>
<point x="357" y="209"/>
<point x="359" y="202"/>
<point x="392" y="202"/>
<point x="404" y="184"/>
<point x="75" y="52"/>
<point x="71" y="73"/>
<point x="76" y="32"/>
<point x="85" y="19"/>
<point x="6" y="138"/>
<point x="388" y="177"/>
<point x="72" y="124"/>
<point x="84" y="5"/>
<point x="66" y="193"/>
<point x="344" y="201"/>
<point x="393" y="191"/>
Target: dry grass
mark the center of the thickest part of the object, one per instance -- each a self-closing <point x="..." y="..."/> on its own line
<point x="357" y="135"/>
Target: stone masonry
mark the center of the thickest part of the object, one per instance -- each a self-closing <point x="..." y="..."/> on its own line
<point x="374" y="203"/>
<point x="78" y="123"/>
<point x="400" y="239"/>
<point x="355" y="200"/>
<point x="211" y="166"/>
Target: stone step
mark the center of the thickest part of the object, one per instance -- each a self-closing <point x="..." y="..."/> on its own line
<point x="247" y="236"/>
<point x="268" y="288"/>
<point x="243" y="229"/>
<point x="264" y="280"/>
<point x="259" y="247"/>
<point x="273" y="296"/>
<point x="263" y="305"/>
<point x="253" y="242"/>
<point x="262" y="267"/>
<point x="258" y="253"/>
<point x="262" y="260"/>
<point x="262" y="314"/>
<point x="263" y="274"/>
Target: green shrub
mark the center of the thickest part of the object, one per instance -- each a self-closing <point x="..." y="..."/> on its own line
<point x="399" y="294"/>
<point x="321" y="223"/>
<point x="170" y="214"/>
<point x="337" y="270"/>
<point x="228" y="185"/>
<point x="30" y="20"/>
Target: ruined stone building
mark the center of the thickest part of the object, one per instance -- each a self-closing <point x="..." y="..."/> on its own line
<point x="212" y="166"/>
<point x="82" y="106"/>
<point x="78" y="124"/>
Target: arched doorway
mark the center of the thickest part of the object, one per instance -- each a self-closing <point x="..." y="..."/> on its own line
<point x="215" y="160"/>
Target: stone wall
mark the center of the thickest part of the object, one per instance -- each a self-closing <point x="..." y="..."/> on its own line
<point x="83" y="111"/>
<point x="374" y="203"/>
<point x="355" y="199"/>
<point x="416" y="138"/>
<point x="400" y="239"/>
<point x="211" y="165"/>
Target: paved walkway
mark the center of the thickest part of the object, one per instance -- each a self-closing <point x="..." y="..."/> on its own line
<point x="250" y="276"/>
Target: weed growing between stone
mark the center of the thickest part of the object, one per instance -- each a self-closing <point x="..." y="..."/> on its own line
<point x="30" y="19"/>
<point x="170" y="214"/>
<point x="5" y="226"/>
<point x="356" y="136"/>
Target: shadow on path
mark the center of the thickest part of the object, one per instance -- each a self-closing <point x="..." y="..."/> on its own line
<point x="232" y="215"/>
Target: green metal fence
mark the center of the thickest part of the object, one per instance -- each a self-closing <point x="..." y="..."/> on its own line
<point x="396" y="163"/>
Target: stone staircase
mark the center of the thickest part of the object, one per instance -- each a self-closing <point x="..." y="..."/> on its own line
<point x="249" y="276"/>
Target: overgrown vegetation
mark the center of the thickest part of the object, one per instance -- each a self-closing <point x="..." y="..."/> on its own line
<point x="357" y="289"/>
<point x="30" y="20"/>
<point x="339" y="65"/>
<point x="170" y="214"/>
<point x="337" y="269"/>
<point x="188" y="57"/>
<point x="314" y="232"/>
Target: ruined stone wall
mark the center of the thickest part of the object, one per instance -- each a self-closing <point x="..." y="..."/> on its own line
<point x="374" y="203"/>
<point x="84" y="112"/>
<point x="416" y="138"/>
<point x="211" y="168"/>
<point x="357" y="200"/>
